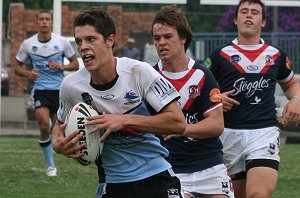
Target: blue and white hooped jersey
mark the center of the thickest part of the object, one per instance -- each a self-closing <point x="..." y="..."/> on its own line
<point x="40" y="54"/>
<point x="252" y="71"/>
<point x="127" y="155"/>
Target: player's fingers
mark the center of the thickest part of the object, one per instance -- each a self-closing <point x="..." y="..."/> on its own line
<point x="227" y="93"/>
<point x="226" y="108"/>
<point x="105" y="135"/>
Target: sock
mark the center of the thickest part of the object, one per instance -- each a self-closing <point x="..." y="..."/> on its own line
<point x="48" y="152"/>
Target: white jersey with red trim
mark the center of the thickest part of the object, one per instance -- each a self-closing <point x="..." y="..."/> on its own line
<point x="252" y="71"/>
<point x="127" y="155"/>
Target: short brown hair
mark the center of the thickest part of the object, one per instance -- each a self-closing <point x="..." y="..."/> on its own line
<point x="99" y="19"/>
<point x="170" y="16"/>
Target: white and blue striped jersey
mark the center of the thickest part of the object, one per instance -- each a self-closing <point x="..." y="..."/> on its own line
<point x="139" y="89"/>
<point x="40" y="54"/>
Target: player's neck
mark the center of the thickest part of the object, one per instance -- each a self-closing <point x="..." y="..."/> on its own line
<point x="178" y="64"/>
<point x="249" y="40"/>
<point x="44" y="37"/>
<point x="105" y="73"/>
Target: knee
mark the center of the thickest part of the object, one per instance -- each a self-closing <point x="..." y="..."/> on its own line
<point x="44" y="128"/>
<point x="259" y="194"/>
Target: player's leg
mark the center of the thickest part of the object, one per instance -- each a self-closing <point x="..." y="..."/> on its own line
<point x="261" y="182"/>
<point x="262" y="162"/>
<point x="234" y="152"/>
<point x="239" y="187"/>
<point x="42" y="115"/>
<point x="187" y="196"/>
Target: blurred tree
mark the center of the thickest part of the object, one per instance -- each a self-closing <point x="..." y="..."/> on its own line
<point x="288" y="20"/>
<point x="203" y="18"/>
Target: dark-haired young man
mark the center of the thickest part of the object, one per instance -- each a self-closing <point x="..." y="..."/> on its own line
<point x="247" y="71"/>
<point x="196" y="156"/>
<point x="136" y="104"/>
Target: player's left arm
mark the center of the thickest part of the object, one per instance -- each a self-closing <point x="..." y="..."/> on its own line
<point x="291" y="112"/>
<point x="211" y="126"/>
<point x="73" y="65"/>
<point x="169" y="120"/>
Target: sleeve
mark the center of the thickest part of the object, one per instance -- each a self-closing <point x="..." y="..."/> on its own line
<point x="158" y="91"/>
<point x="285" y="71"/>
<point x="211" y="95"/>
<point x="65" y="103"/>
<point x="211" y="63"/>
<point x="68" y="49"/>
<point x="22" y="54"/>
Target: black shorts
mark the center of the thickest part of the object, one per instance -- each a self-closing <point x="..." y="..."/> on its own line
<point x="161" y="185"/>
<point x="46" y="98"/>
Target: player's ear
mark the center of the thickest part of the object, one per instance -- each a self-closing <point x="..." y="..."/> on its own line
<point x="110" y="40"/>
<point x="264" y="22"/>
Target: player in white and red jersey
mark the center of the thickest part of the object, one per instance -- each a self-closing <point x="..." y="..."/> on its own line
<point x="137" y="104"/>
<point x="196" y="157"/>
<point x="247" y="71"/>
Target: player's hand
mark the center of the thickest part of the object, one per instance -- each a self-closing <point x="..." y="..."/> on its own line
<point x="67" y="145"/>
<point x="33" y="74"/>
<point x="228" y="102"/>
<point x="291" y="113"/>
<point x="106" y="122"/>
<point x="55" y="65"/>
<point x="168" y="137"/>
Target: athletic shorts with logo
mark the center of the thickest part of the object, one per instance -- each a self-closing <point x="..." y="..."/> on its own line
<point x="245" y="149"/>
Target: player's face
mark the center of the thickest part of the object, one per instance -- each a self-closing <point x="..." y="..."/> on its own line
<point x="94" y="50"/>
<point x="44" y="22"/>
<point x="249" y="20"/>
<point x="167" y="42"/>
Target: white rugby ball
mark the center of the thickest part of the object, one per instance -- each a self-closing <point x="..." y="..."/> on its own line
<point x="75" y="120"/>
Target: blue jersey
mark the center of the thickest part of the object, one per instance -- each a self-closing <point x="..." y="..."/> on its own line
<point x="252" y="71"/>
<point x="40" y="54"/>
<point x="199" y="94"/>
<point x="127" y="155"/>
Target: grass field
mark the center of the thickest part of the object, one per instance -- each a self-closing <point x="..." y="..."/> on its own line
<point x="22" y="173"/>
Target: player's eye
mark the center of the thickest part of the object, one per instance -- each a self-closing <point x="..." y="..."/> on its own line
<point x="78" y="42"/>
<point x="156" y="38"/>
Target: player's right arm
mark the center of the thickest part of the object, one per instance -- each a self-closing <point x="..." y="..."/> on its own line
<point x="227" y="101"/>
<point x="21" y="70"/>
<point x="61" y="144"/>
<point x="66" y="145"/>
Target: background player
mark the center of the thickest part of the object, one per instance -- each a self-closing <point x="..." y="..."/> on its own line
<point x="196" y="157"/>
<point x="45" y="50"/>
<point x="247" y="71"/>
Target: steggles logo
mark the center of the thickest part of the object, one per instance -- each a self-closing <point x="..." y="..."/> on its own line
<point x="242" y="85"/>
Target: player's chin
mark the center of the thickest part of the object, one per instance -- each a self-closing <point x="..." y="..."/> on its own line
<point x="164" y="57"/>
<point x="91" y="67"/>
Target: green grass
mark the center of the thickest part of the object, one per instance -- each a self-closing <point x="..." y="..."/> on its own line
<point x="22" y="172"/>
